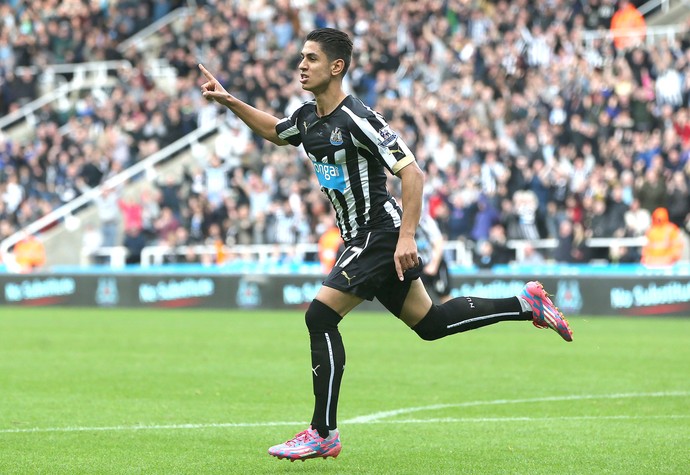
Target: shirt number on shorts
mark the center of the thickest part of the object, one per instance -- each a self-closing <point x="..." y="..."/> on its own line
<point x="354" y="253"/>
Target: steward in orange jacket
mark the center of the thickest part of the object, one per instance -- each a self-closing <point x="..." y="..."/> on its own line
<point x="329" y="245"/>
<point x="628" y="26"/>
<point x="664" y="241"/>
<point x="30" y="253"/>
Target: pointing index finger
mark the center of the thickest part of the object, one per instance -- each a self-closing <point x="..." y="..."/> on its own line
<point x="399" y="269"/>
<point x="208" y="75"/>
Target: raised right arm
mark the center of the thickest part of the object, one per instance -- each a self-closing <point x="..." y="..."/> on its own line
<point x="262" y="123"/>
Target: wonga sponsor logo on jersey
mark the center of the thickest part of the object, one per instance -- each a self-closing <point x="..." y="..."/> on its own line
<point x="330" y="175"/>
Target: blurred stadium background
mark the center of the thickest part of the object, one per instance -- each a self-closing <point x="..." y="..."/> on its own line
<point x="550" y="133"/>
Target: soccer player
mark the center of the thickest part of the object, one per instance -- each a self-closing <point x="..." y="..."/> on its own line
<point x="351" y="147"/>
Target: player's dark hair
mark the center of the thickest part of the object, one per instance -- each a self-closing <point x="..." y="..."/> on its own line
<point x="335" y="43"/>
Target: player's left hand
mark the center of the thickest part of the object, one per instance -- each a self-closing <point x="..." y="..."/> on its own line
<point x="405" y="256"/>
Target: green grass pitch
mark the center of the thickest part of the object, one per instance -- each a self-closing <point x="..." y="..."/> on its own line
<point x="90" y="391"/>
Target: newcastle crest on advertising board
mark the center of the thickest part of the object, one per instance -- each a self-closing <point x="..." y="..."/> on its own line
<point x="569" y="297"/>
<point x="248" y="294"/>
<point x="106" y="292"/>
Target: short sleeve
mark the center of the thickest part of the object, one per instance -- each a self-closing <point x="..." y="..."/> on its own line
<point x="287" y="129"/>
<point x="373" y="132"/>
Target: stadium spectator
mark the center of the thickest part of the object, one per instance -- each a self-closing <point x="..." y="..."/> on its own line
<point x="240" y="228"/>
<point x="134" y="241"/>
<point x="150" y="210"/>
<point x="521" y="218"/>
<point x="431" y="247"/>
<point x="597" y="219"/>
<point x="485" y="217"/>
<point x="616" y="209"/>
<point x="214" y="181"/>
<point x="531" y="256"/>
<point x="330" y="244"/>
<point x="29" y="254"/>
<point x="678" y="198"/>
<point x="477" y="83"/>
<point x="41" y="32"/>
<point x="169" y="190"/>
<point x="637" y="220"/>
<point x="109" y="215"/>
<point x="166" y="224"/>
<point x="215" y="239"/>
<point x="620" y="254"/>
<point x="483" y="256"/>
<point x="502" y="254"/>
<point x="571" y="246"/>
<point x="664" y="241"/>
<point x="132" y="212"/>
<point x="651" y="189"/>
<point x="628" y="26"/>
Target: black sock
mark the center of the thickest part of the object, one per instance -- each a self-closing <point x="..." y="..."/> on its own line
<point x="467" y="313"/>
<point x="327" y="363"/>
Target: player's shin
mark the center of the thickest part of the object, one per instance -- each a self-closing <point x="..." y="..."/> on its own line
<point x="467" y="313"/>
<point x="328" y="364"/>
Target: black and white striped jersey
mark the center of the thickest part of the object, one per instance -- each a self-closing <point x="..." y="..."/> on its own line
<point x="350" y="150"/>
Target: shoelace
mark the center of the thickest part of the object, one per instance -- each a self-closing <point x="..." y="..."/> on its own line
<point x="304" y="436"/>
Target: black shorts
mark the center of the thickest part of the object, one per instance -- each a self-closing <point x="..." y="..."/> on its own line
<point x="366" y="268"/>
<point x="440" y="281"/>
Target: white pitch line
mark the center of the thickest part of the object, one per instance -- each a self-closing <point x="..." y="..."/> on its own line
<point x="575" y="397"/>
<point x="300" y="424"/>
<point x="210" y="425"/>
<point x="529" y="419"/>
<point x="378" y="417"/>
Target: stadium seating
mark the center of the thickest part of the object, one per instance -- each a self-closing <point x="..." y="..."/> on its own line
<point x="493" y="110"/>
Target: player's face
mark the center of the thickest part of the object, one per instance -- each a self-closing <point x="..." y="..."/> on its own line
<point x="314" y="68"/>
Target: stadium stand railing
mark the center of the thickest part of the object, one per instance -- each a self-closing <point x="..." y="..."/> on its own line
<point x="66" y="211"/>
<point x="663" y="5"/>
<point x="459" y="252"/>
<point x="84" y="76"/>
<point x="262" y="253"/>
<point x="111" y="256"/>
<point x="520" y="245"/>
<point x="653" y="34"/>
<point x="57" y="83"/>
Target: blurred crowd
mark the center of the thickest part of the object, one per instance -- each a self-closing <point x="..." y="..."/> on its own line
<point x="71" y="149"/>
<point x="526" y="128"/>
